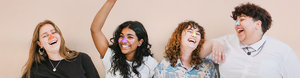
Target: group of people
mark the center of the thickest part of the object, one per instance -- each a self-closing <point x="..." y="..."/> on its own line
<point x="249" y="54"/>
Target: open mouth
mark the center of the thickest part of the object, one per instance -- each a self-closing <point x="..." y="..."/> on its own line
<point x="125" y="46"/>
<point x="192" y="40"/>
<point x="53" y="42"/>
<point x="240" y="30"/>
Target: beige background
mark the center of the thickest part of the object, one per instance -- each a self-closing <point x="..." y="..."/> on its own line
<point x="18" y="19"/>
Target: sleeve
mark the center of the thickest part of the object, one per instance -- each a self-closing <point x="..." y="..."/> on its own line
<point x="212" y="68"/>
<point x="152" y="64"/>
<point x="222" y="41"/>
<point x="88" y="66"/>
<point x="159" y="71"/>
<point x="291" y="67"/>
<point x="107" y="57"/>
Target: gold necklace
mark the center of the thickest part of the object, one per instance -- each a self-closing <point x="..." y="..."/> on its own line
<point x="54" y="68"/>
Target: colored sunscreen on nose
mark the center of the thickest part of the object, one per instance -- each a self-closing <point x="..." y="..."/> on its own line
<point x="238" y="22"/>
<point x="194" y="34"/>
<point x="124" y="39"/>
<point x="50" y="37"/>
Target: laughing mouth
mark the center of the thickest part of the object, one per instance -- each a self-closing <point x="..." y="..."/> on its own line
<point x="192" y="40"/>
<point x="240" y="30"/>
<point x="125" y="46"/>
<point x="53" y="42"/>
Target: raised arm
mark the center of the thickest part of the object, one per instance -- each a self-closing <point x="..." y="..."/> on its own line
<point x="216" y="48"/>
<point x="99" y="38"/>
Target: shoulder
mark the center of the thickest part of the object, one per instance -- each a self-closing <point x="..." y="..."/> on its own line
<point x="163" y="63"/>
<point x="207" y="63"/>
<point x="149" y="59"/>
<point x="227" y="38"/>
<point x="83" y="56"/>
<point x="276" y="43"/>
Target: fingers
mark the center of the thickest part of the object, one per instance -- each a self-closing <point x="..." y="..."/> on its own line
<point x="218" y="55"/>
<point x="223" y="56"/>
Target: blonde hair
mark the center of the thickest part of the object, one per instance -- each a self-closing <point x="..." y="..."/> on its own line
<point x="35" y="57"/>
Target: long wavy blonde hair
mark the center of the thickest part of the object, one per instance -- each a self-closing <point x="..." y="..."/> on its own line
<point x="173" y="47"/>
<point x="35" y="57"/>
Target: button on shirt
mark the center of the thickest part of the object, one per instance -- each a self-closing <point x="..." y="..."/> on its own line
<point x="255" y="48"/>
<point x="274" y="60"/>
<point x="165" y="70"/>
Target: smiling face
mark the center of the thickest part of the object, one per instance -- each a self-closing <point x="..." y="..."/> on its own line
<point x="128" y="41"/>
<point x="190" y="38"/>
<point x="248" y="30"/>
<point x="49" y="39"/>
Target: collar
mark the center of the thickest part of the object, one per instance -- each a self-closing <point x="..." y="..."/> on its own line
<point x="181" y="65"/>
<point x="256" y="45"/>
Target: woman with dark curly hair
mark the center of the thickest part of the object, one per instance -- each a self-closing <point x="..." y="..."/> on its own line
<point x="252" y="54"/>
<point x="182" y="57"/>
<point x="129" y="56"/>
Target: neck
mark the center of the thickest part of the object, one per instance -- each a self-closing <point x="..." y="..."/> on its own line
<point x="255" y="38"/>
<point x="54" y="56"/>
<point x="186" y="57"/>
<point x="129" y="57"/>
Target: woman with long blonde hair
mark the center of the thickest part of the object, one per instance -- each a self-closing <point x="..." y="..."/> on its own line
<point x="49" y="57"/>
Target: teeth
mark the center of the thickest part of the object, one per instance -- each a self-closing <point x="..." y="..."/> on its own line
<point x="191" y="40"/>
<point x="125" y="46"/>
<point x="53" y="42"/>
<point x="240" y="30"/>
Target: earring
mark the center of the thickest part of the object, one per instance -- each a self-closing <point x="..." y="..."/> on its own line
<point x="41" y="51"/>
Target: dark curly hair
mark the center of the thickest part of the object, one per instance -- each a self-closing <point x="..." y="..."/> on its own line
<point x="256" y="12"/>
<point x="173" y="47"/>
<point x="119" y="59"/>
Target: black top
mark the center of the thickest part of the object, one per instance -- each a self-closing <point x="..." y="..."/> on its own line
<point x="79" y="67"/>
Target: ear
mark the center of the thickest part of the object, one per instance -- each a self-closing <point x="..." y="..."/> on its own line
<point x="257" y="24"/>
<point x="141" y="42"/>
<point x="39" y="43"/>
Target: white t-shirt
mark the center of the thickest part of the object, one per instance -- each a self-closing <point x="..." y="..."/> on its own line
<point x="146" y="70"/>
<point x="274" y="60"/>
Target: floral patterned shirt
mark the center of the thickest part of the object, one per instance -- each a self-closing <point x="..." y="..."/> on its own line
<point x="165" y="70"/>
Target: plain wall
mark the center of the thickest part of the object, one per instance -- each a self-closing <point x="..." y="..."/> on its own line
<point x="18" y="18"/>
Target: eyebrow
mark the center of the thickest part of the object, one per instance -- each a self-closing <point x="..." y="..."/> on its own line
<point x="46" y="32"/>
<point x="127" y="34"/>
<point x="197" y="29"/>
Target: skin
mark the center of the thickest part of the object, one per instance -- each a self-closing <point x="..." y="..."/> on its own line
<point x="128" y="42"/>
<point x="188" y="47"/>
<point x="101" y="41"/>
<point x="252" y="33"/>
<point x="47" y="35"/>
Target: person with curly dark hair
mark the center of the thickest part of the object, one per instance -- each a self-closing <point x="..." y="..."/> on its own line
<point x="250" y="53"/>
<point x="182" y="54"/>
<point x="129" y="56"/>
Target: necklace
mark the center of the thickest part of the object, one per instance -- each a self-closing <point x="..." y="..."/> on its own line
<point x="54" y="68"/>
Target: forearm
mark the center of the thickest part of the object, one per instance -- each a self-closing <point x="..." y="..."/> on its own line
<point x="206" y="49"/>
<point x="101" y="16"/>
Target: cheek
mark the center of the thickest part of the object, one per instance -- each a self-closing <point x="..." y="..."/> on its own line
<point x="131" y="41"/>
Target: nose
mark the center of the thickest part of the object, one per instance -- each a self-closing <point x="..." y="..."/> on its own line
<point x="194" y="34"/>
<point x="238" y="22"/>
<point x="50" y="37"/>
<point x="124" y="39"/>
